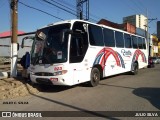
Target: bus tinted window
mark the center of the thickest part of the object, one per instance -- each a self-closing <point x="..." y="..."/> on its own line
<point x="128" y="41"/>
<point x="119" y="39"/>
<point x="134" y="42"/>
<point x="144" y="44"/>
<point x="95" y="35"/>
<point x="140" y="43"/>
<point x="79" y="43"/>
<point x="109" y="38"/>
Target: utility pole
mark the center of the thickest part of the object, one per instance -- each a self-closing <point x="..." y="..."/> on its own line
<point x="80" y="9"/>
<point x="14" y="16"/>
<point x="147" y="36"/>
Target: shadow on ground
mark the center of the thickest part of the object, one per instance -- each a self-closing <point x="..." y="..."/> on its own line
<point x="44" y="88"/>
<point x="151" y="94"/>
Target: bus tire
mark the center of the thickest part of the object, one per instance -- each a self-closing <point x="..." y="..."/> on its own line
<point x="135" y="69"/>
<point x="95" y="77"/>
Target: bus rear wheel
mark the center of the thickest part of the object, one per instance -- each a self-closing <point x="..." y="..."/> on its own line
<point x="135" y="69"/>
<point x="95" y="77"/>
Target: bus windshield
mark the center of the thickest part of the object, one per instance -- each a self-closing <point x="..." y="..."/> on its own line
<point x="50" y="45"/>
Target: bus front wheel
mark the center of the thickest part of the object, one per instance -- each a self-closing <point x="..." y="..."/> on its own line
<point x="95" y="77"/>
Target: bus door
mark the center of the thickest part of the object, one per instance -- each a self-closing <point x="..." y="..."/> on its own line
<point x="78" y="48"/>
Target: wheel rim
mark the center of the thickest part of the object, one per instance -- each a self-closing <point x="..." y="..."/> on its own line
<point x="95" y="77"/>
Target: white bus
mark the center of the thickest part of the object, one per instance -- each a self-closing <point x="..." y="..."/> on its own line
<point x="77" y="51"/>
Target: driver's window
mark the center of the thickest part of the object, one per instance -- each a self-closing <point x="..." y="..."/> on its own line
<point x="79" y="42"/>
<point x="76" y="49"/>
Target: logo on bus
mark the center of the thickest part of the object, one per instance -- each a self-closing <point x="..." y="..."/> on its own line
<point x="57" y="68"/>
<point x="103" y="55"/>
<point x="126" y="53"/>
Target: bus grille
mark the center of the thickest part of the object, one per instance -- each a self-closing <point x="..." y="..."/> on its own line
<point x="44" y="74"/>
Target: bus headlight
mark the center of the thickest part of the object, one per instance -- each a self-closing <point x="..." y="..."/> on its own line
<point x="32" y="73"/>
<point x="60" y="72"/>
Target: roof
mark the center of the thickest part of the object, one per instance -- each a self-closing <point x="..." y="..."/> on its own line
<point x="8" y="33"/>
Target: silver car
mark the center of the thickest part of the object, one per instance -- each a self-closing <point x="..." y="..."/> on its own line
<point x="156" y="60"/>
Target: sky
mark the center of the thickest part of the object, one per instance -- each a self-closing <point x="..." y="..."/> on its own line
<point x="30" y="20"/>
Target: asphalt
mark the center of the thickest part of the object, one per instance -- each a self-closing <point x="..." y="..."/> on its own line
<point x="117" y="93"/>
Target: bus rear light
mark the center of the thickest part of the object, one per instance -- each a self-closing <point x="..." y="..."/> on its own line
<point x="54" y="79"/>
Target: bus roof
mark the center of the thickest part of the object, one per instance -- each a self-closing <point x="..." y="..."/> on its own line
<point x="76" y="20"/>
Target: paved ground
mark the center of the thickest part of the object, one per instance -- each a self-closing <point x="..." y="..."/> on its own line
<point x="118" y="93"/>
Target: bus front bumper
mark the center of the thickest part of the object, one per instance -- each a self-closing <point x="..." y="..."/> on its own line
<point x="47" y="80"/>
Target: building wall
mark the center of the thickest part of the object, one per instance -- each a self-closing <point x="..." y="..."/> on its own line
<point x="155" y="43"/>
<point x="130" y="19"/>
<point x="158" y="30"/>
<point x="5" y="43"/>
<point x="159" y="49"/>
<point x="140" y="21"/>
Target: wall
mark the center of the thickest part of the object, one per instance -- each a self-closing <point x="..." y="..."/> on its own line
<point x="5" y="50"/>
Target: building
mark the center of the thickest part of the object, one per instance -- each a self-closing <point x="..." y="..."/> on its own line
<point x="125" y="26"/>
<point x="158" y="30"/>
<point x="140" y="21"/>
<point x="154" y="46"/>
<point x="5" y="45"/>
<point x="8" y="33"/>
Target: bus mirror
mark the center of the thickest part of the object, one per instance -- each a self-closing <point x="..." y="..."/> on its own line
<point x="22" y="45"/>
<point x="25" y="38"/>
<point x="17" y="46"/>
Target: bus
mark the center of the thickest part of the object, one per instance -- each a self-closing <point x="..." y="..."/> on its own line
<point x="76" y="51"/>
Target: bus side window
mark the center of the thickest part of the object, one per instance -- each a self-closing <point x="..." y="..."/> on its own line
<point x="119" y="39"/>
<point x="134" y="42"/>
<point x="79" y="42"/>
<point x="144" y="44"/>
<point x="95" y="35"/>
<point x="140" y="43"/>
<point x="109" y="37"/>
<point x="77" y="49"/>
<point x="128" y="41"/>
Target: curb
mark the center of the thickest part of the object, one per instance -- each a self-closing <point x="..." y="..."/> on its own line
<point x="3" y="75"/>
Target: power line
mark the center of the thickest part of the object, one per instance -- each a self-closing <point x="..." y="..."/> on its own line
<point x="63" y="5"/>
<point x="40" y="10"/>
<point x="64" y="8"/>
<point x="53" y="5"/>
<point x="67" y="3"/>
<point x="131" y="7"/>
<point x="138" y="6"/>
<point x="59" y="7"/>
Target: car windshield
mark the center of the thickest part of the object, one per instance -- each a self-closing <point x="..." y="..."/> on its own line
<point x="50" y="45"/>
